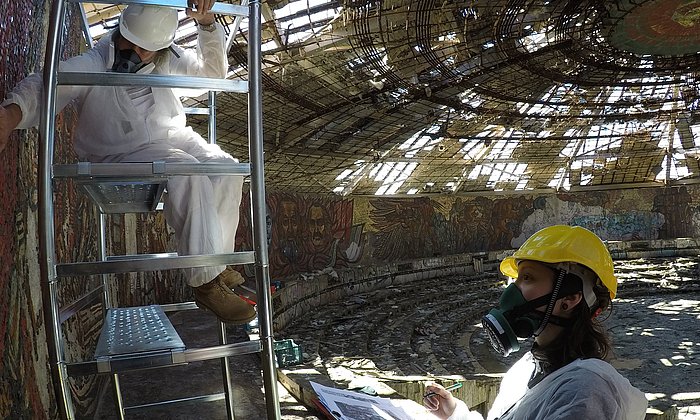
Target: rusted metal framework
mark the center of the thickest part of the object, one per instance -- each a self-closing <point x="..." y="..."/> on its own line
<point x="426" y="96"/>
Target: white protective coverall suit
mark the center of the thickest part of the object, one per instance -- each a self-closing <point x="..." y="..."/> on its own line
<point x="583" y="389"/>
<point x="203" y="211"/>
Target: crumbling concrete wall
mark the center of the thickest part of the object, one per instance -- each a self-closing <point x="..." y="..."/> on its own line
<point x="313" y="233"/>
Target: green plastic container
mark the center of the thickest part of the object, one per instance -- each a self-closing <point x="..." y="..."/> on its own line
<point x="287" y="353"/>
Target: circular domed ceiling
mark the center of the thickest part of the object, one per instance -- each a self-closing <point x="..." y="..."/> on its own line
<point x="661" y="27"/>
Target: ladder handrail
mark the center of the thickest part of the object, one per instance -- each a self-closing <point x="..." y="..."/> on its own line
<point x="153" y="80"/>
<point x="218" y="8"/>
<point x="156" y="169"/>
<point x="47" y="248"/>
<point x="257" y="193"/>
<point x="149" y="262"/>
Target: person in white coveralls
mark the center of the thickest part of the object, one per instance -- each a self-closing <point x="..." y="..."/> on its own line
<point x="144" y="124"/>
<point x="563" y="281"/>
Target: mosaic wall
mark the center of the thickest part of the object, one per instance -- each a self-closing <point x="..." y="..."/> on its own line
<point x="306" y="233"/>
<point x="25" y="390"/>
<point x="309" y="233"/>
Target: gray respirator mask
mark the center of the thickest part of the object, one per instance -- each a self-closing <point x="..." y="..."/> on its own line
<point x="127" y="61"/>
<point x="517" y="318"/>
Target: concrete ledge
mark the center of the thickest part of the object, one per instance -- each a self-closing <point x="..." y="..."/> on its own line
<point x="655" y="248"/>
<point x="478" y="391"/>
<point x="302" y="293"/>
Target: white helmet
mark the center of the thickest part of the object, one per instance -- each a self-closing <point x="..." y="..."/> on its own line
<point x="150" y="27"/>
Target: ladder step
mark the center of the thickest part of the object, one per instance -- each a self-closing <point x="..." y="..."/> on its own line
<point x="161" y="359"/>
<point x="141" y="329"/>
<point x="197" y="111"/>
<point x="138" y="337"/>
<point x="152" y="262"/>
<point x="218" y="8"/>
<point x="150" y="80"/>
<point x="124" y="196"/>
<point x="152" y="171"/>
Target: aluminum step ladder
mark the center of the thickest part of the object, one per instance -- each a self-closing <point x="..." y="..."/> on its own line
<point x="143" y="337"/>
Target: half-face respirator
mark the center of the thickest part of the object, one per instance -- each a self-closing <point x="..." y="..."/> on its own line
<point x="128" y="61"/>
<point x="517" y="317"/>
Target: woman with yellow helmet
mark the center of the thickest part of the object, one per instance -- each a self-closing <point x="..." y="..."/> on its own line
<point x="563" y="281"/>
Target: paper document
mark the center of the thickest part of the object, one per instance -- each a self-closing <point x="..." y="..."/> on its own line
<point x="349" y="405"/>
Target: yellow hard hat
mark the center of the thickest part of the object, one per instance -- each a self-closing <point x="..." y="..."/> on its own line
<point x="562" y="243"/>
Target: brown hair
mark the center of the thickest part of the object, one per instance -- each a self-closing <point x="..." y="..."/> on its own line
<point x="585" y="338"/>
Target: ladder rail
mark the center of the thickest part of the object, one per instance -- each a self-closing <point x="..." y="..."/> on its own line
<point x="211" y="132"/>
<point x="218" y="8"/>
<point x="147" y="171"/>
<point x="151" y="262"/>
<point x="257" y="191"/>
<point x="91" y="78"/>
<point x="47" y="250"/>
<point x="88" y="299"/>
<point x="91" y="367"/>
<point x="86" y="27"/>
<point x="234" y="30"/>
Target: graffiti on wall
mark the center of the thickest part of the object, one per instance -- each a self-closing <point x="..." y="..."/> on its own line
<point x="595" y="212"/>
<point x="622" y="227"/>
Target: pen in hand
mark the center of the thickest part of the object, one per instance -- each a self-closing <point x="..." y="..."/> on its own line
<point x="449" y="388"/>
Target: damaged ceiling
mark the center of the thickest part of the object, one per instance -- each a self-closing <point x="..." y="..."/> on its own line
<point x="458" y="97"/>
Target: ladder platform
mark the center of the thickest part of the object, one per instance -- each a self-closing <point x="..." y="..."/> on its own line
<point x="152" y="262"/>
<point x="128" y="333"/>
<point x="146" y="171"/>
<point x="148" y="360"/>
<point x="219" y="8"/>
<point x="150" y="80"/>
<point x="118" y="196"/>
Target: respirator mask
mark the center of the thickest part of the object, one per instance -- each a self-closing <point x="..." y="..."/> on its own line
<point x="515" y="317"/>
<point x="128" y="61"/>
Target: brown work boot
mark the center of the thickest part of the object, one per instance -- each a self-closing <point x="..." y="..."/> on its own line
<point x="226" y="305"/>
<point x="231" y="278"/>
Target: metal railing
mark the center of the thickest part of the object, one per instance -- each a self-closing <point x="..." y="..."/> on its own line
<point x="51" y="272"/>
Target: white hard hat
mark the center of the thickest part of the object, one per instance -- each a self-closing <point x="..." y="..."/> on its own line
<point x="150" y="27"/>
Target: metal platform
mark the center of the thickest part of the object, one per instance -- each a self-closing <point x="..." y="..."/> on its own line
<point x="152" y="262"/>
<point x="132" y="333"/>
<point x="124" y="196"/>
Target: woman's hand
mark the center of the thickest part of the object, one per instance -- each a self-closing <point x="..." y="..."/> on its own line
<point x="199" y="11"/>
<point x="442" y="403"/>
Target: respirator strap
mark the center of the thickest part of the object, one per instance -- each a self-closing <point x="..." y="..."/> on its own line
<point x="561" y="322"/>
<point x="529" y="307"/>
<point x="552" y="302"/>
